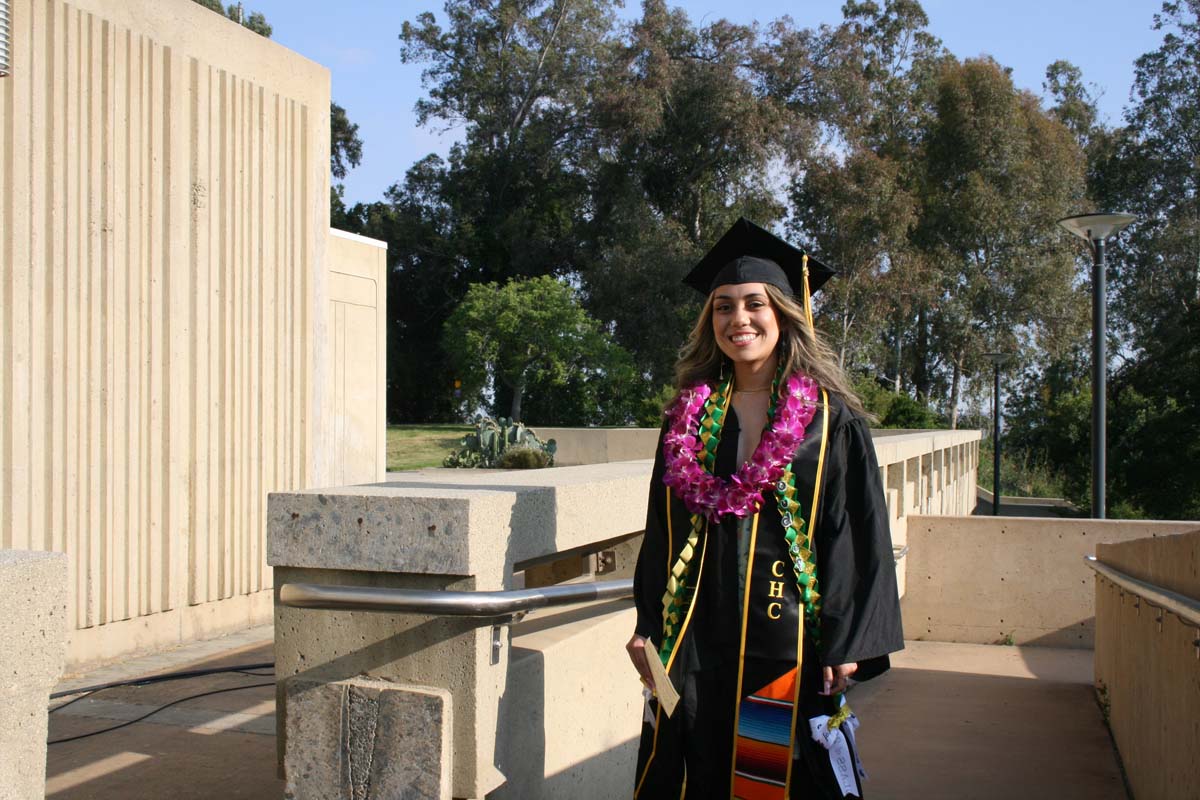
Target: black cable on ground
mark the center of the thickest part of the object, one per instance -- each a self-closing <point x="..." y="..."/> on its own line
<point x="156" y="710"/>
<point x="166" y="676"/>
<point x="74" y="700"/>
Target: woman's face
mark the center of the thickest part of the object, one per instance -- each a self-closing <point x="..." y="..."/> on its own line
<point x="744" y="322"/>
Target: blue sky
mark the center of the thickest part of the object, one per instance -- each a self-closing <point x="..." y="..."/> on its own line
<point x="357" y="41"/>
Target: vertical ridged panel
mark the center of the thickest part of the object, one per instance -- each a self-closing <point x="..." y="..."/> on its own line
<point x="153" y="329"/>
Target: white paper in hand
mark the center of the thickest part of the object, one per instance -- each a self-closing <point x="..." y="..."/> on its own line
<point x="664" y="690"/>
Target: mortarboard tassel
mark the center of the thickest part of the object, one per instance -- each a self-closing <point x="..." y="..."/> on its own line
<point x="807" y="293"/>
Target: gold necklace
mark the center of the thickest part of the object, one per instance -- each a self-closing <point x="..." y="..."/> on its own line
<point x="752" y="391"/>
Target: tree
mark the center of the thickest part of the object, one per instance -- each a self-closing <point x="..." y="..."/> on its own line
<point x="533" y="334"/>
<point x="686" y="138"/>
<point x="345" y="150"/>
<point x="997" y="171"/>
<point x="519" y="77"/>
<point x="1151" y="167"/>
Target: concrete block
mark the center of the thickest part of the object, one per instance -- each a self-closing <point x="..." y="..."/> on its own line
<point x="367" y="739"/>
<point x="33" y="629"/>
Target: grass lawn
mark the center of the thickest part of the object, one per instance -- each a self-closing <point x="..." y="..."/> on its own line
<point x="418" y="446"/>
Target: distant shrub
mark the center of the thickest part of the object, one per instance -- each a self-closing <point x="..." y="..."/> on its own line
<point x="523" y="458"/>
<point x="904" y="412"/>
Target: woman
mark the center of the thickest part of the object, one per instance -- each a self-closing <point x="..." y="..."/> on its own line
<point x="766" y="582"/>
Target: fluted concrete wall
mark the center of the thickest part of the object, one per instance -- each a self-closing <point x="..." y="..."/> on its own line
<point x="163" y="221"/>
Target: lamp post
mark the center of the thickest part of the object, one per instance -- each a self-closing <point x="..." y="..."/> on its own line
<point x="1094" y="229"/>
<point x="997" y="360"/>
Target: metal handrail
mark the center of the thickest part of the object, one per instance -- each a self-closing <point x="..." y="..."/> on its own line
<point x="1180" y="605"/>
<point x="448" y="603"/>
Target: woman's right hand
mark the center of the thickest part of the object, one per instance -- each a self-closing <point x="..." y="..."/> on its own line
<point x="637" y="654"/>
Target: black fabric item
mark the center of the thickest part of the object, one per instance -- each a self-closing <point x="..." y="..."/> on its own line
<point x="860" y="616"/>
<point x="747" y="253"/>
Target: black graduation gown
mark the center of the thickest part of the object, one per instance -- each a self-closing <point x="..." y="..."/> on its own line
<point x="860" y="615"/>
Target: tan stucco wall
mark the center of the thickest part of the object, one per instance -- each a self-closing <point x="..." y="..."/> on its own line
<point x="1150" y="671"/>
<point x="163" y="224"/>
<point x="985" y="579"/>
<point x="356" y="437"/>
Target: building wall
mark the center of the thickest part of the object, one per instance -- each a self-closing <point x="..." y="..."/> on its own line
<point x="163" y="223"/>
<point x="356" y="437"/>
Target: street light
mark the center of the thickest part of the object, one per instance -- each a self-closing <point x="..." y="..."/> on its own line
<point x="997" y="360"/>
<point x="1094" y="229"/>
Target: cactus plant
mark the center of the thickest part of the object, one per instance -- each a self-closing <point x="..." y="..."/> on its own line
<point x="486" y="446"/>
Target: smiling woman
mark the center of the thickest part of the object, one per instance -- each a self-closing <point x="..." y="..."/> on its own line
<point x="765" y="579"/>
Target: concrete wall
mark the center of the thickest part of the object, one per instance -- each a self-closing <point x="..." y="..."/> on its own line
<point x="356" y="437"/>
<point x="577" y="446"/>
<point x="33" y="629"/>
<point x="164" y="198"/>
<point x="1147" y="670"/>
<point x="991" y="581"/>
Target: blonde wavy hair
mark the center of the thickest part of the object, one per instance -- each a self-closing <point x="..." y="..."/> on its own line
<point x="800" y="350"/>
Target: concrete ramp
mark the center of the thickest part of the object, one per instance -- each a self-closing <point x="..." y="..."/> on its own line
<point x="976" y="722"/>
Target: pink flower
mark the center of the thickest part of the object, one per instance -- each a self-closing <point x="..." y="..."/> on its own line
<point x="742" y="495"/>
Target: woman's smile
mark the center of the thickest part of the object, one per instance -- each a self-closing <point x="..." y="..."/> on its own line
<point x="745" y="323"/>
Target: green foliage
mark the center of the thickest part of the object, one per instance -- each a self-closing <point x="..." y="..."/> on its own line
<point x="523" y="458"/>
<point x="502" y="444"/>
<point x="876" y="398"/>
<point x="345" y="149"/>
<point x="650" y="409"/>
<point x="1020" y="474"/>
<point x="905" y="412"/>
<point x="533" y="336"/>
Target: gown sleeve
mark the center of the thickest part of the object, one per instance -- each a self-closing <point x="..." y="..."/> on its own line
<point x="649" y="576"/>
<point x="860" y="615"/>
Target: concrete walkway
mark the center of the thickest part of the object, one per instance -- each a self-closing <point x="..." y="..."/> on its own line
<point x="971" y="722"/>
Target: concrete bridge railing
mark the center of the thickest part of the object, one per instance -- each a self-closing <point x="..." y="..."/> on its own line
<point x="1148" y="659"/>
<point x="546" y="706"/>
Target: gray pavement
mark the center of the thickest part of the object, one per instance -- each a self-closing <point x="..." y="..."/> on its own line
<point x="949" y="721"/>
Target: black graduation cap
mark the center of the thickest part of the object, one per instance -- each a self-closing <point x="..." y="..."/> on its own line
<point x="749" y="254"/>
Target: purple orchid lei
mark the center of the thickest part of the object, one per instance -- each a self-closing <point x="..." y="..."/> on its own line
<point x="742" y="495"/>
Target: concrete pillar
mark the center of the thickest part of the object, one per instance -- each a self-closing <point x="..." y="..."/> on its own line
<point x="454" y="529"/>
<point x="33" y="629"/>
<point x="367" y="739"/>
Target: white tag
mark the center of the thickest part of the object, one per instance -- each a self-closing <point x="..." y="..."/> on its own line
<point x="850" y="726"/>
<point x="839" y="753"/>
<point x="664" y="690"/>
<point x="647" y="714"/>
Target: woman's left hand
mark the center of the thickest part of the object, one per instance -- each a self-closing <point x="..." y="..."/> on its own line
<point x="837" y="678"/>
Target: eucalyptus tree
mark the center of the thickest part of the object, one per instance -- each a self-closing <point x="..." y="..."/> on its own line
<point x="685" y="144"/>
<point x="997" y="171"/>
<point x="1151" y="167"/>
